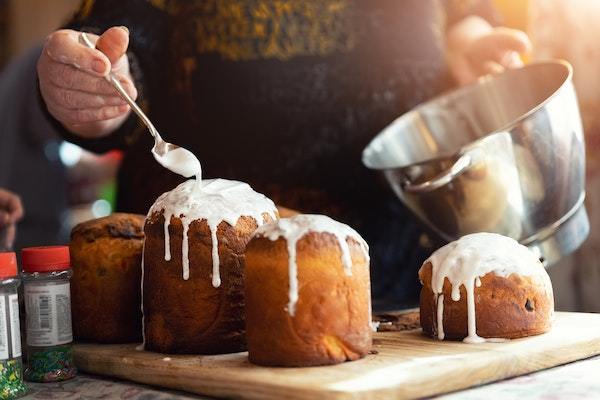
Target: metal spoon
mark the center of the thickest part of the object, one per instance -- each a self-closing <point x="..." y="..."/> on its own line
<point x="169" y="155"/>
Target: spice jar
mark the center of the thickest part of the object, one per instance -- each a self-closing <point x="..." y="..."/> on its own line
<point x="46" y="275"/>
<point x="11" y="367"/>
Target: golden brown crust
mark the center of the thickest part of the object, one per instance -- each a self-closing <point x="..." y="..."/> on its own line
<point x="332" y="320"/>
<point x="117" y="225"/>
<point x="191" y="316"/>
<point x="511" y="307"/>
<point x="106" y="260"/>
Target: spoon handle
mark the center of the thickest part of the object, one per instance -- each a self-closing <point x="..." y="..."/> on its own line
<point x="112" y="79"/>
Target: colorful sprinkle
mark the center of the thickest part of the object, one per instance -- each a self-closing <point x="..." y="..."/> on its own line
<point x="50" y="364"/>
<point x="11" y="380"/>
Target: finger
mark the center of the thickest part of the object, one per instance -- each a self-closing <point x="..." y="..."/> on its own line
<point x="495" y="45"/>
<point x="510" y="39"/>
<point x="75" y="99"/>
<point x="16" y="209"/>
<point x="87" y="115"/>
<point x="11" y="234"/>
<point x="63" y="46"/>
<point x="491" y="67"/>
<point x="11" y="204"/>
<point x="69" y="77"/>
<point x="4" y="218"/>
<point x="113" y="43"/>
<point x="511" y="59"/>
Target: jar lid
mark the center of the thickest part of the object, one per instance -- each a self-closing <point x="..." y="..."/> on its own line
<point x="8" y="265"/>
<point x="46" y="259"/>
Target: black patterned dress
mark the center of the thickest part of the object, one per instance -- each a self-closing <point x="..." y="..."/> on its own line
<point x="284" y="94"/>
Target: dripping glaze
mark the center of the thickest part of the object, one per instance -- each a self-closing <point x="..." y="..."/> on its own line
<point x="213" y="200"/>
<point x="465" y="261"/>
<point x="141" y="346"/>
<point x="295" y="228"/>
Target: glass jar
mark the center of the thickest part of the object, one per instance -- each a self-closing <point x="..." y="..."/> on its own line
<point x="11" y="367"/>
<point x="47" y="291"/>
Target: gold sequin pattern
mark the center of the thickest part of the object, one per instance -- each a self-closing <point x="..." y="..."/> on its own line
<point x="269" y="29"/>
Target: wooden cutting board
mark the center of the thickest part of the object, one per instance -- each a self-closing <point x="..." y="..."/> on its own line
<point x="405" y="365"/>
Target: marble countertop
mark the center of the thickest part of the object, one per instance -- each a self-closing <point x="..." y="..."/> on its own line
<point x="577" y="380"/>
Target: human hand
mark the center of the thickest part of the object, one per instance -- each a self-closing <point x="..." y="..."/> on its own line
<point x="11" y="211"/>
<point x="11" y="208"/>
<point x="476" y="49"/>
<point x="73" y="85"/>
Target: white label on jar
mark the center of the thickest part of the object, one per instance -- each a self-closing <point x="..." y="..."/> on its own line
<point x="3" y="330"/>
<point x="15" y="326"/>
<point x="48" y="310"/>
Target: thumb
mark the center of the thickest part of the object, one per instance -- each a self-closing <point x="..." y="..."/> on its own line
<point x="503" y="40"/>
<point x="113" y="43"/>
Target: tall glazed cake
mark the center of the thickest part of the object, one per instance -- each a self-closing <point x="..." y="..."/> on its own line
<point x="308" y="298"/>
<point x="193" y="266"/>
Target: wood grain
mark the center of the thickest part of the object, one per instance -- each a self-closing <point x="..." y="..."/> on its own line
<point x="406" y="365"/>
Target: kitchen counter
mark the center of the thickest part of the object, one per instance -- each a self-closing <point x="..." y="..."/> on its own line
<point x="572" y="381"/>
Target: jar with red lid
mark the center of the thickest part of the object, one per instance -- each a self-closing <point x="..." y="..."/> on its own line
<point x="11" y="367"/>
<point x="46" y="277"/>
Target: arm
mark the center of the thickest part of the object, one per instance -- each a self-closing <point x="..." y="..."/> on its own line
<point x="474" y="47"/>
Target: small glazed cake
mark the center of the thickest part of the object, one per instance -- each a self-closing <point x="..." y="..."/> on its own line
<point x="308" y="298"/>
<point x="485" y="285"/>
<point x="196" y="234"/>
<point x="106" y="255"/>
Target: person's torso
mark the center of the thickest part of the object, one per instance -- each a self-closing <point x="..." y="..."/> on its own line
<point x="286" y="94"/>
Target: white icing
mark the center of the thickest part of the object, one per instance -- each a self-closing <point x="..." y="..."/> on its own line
<point x="213" y="200"/>
<point x="375" y="325"/>
<point x="465" y="261"/>
<point x="141" y="346"/>
<point x="440" y="316"/>
<point x="167" y="240"/>
<point x="293" y="229"/>
<point x="181" y="161"/>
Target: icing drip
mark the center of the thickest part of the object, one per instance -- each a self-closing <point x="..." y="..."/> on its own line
<point x="375" y="325"/>
<point x="471" y="329"/>
<point x="167" y="240"/>
<point x="185" y="246"/>
<point x="465" y="261"/>
<point x="213" y="200"/>
<point x="216" y="278"/>
<point x="292" y="277"/>
<point x="295" y="228"/>
<point x="141" y="346"/>
<point x="440" y="317"/>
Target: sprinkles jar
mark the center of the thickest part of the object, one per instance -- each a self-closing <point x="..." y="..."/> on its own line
<point x="11" y="374"/>
<point x="46" y="275"/>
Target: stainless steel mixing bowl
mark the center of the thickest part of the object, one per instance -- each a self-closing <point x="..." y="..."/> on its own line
<point x="504" y="155"/>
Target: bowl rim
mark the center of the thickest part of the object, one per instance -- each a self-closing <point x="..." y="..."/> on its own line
<point x="456" y="92"/>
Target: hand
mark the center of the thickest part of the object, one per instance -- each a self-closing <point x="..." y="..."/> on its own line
<point x="11" y="211"/>
<point x="73" y="85"/>
<point x="11" y="208"/>
<point x="476" y="49"/>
